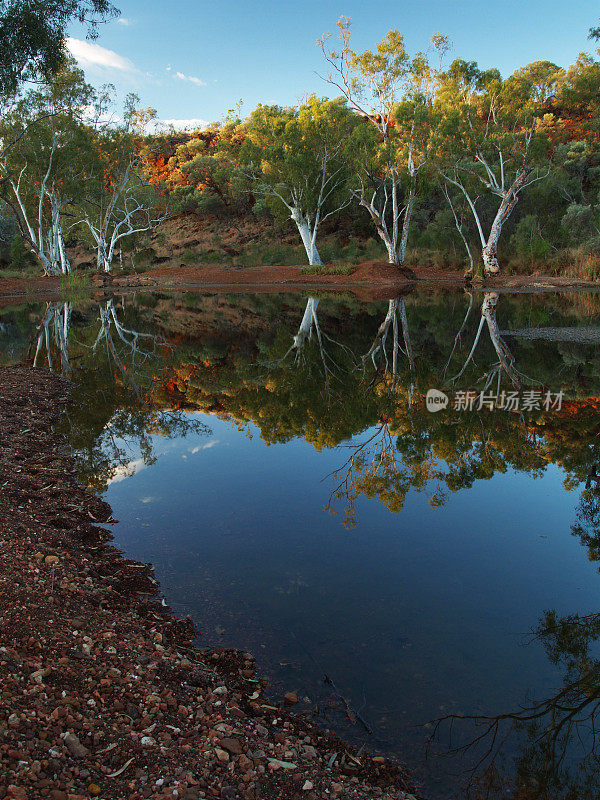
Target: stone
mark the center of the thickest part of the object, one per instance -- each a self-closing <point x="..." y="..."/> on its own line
<point x="222" y="755"/>
<point x="290" y="698"/>
<point x="232" y="746"/>
<point x="309" y="751"/>
<point x="17" y="793"/>
<point x="245" y="764"/>
<point x="51" y="560"/>
<point x="74" y="746"/>
<point x="147" y="741"/>
<point x="308" y="785"/>
<point x="94" y="789"/>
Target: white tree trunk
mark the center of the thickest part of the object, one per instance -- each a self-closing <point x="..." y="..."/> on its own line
<point x="102" y="258"/>
<point x="307" y="235"/>
<point x="305" y="329"/>
<point x="406" y="221"/>
<point x="57" y="245"/>
<point x="505" y="209"/>
<point x="505" y="357"/>
<point x="509" y="198"/>
<point x="389" y="246"/>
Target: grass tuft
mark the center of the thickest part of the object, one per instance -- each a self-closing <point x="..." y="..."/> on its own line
<point x="331" y="269"/>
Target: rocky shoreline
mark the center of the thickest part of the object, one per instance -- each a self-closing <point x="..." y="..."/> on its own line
<point x="103" y="692"/>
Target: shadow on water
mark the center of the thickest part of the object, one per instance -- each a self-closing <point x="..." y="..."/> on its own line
<point x="420" y="631"/>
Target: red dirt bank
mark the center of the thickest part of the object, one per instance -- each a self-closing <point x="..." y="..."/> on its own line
<point x="372" y="280"/>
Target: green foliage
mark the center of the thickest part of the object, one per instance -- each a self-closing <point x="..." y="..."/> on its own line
<point x="32" y="36"/>
<point x="20" y="254"/>
<point x="527" y="241"/>
<point x="403" y="129"/>
<point x="581" y="222"/>
<point x="293" y="151"/>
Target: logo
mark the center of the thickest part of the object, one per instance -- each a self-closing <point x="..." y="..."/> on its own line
<point x="435" y="400"/>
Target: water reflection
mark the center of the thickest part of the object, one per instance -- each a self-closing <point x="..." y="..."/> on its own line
<point x="351" y="380"/>
<point x="111" y="416"/>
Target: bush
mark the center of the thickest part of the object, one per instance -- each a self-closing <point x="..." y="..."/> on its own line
<point x="20" y="255"/>
<point x="527" y="241"/>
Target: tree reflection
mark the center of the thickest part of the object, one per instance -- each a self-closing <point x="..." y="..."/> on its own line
<point x="319" y="355"/>
<point x="111" y="419"/>
<point x="414" y="449"/>
<point x="53" y="334"/>
<point x="506" y="362"/>
<point x="378" y="353"/>
<point x="557" y="757"/>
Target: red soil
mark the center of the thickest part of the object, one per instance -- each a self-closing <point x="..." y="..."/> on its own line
<point x="371" y="280"/>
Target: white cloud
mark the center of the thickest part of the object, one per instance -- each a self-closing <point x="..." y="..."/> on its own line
<point x="89" y="54"/>
<point x="161" y="125"/>
<point x="198" y="448"/>
<point x="190" y="78"/>
<point x="125" y="22"/>
<point x="123" y="471"/>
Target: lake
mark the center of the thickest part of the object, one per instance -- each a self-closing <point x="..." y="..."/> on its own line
<point x="420" y="567"/>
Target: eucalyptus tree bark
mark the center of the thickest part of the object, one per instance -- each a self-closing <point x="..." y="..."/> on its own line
<point x="391" y="220"/>
<point x="293" y="198"/>
<point x="308" y="233"/>
<point x="508" y="200"/>
<point x="459" y="227"/>
<point x="41" y="231"/>
<point x="55" y="237"/>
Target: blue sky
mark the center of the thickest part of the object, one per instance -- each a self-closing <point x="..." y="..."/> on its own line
<point x="192" y="59"/>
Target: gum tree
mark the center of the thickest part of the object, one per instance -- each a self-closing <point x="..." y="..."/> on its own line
<point x="119" y="200"/>
<point x="32" y="36"/>
<point x="298" y="159"/>
<point x="43" y="171"/>
<point x="394" y="93"/>
<point x="491" y="145"/>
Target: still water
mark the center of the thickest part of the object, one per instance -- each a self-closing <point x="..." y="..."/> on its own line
<point x="275" y="458"/>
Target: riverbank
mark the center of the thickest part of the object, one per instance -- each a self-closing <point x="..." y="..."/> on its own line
<point x="373" y="280"/>
<point x="103" y="692"/>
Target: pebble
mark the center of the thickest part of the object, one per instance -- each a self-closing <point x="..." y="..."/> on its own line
<point x="231" y="745"/>
<point x="74" y="746"/>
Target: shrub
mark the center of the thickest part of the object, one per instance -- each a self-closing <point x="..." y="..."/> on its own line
<point x="20" y="255"/>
